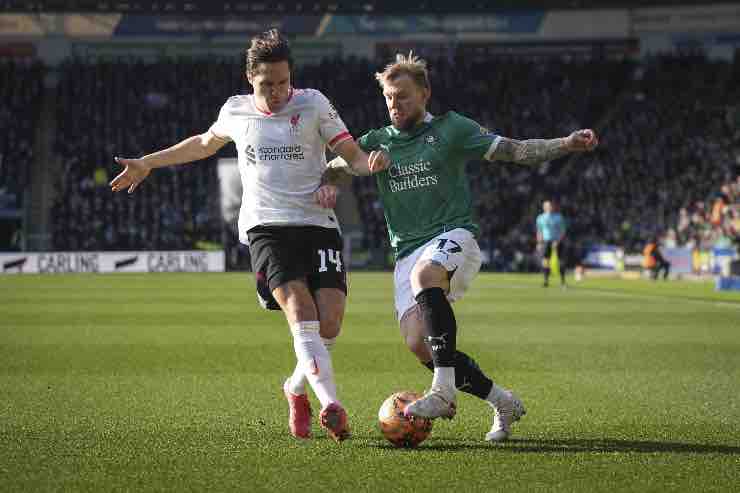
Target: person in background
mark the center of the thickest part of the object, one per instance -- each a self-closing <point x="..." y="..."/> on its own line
<point x="653" y="260"/>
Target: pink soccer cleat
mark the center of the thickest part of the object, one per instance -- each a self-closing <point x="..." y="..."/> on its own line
<point x="299" y="419"/>
<point x="334" y="419"/>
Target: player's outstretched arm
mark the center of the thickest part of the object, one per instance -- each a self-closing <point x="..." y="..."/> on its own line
<point x="535" y="151"/>
<point x="191" y="149"/>
<point x="354" y="161"/>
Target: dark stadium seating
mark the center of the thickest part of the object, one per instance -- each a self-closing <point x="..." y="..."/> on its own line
<point x="130" y="108"/>
<point x="20" y="92"/>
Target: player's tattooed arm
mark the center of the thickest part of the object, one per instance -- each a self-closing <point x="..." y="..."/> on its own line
<point x="531" y="151"/>
<point x="535" y="151"/>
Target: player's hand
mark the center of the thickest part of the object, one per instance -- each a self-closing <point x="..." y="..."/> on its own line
<point x="326" y="196"/>
<point x="134" y="172"/>
<point x="583" y="141"/>
<point x="377" y="161"/>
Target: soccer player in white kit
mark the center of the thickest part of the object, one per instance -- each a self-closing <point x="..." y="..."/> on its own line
<point x="281" y="135"/>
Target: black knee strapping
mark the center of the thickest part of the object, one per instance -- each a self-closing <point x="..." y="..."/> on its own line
<point x="439" y="325"/>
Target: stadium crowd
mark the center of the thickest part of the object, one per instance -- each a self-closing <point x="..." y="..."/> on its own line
<point x="130" y="108"/>
<point x="669" y="141"/>
<point x="666" y="147"/>
<point x="20" y="94"/>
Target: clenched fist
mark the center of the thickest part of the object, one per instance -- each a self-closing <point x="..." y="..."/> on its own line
<point x="582" y="141"/>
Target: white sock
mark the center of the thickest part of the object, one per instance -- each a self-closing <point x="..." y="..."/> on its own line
<point x="296" y="384"/>
<point x="315" y="361"/>
<point x="444" y="379"/>
<point x="496" y="395"/>
<point x="329" y="342"/>
<point x="297" y="381"/>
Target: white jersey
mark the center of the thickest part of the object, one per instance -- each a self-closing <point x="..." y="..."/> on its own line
<point x="282" y="157"/>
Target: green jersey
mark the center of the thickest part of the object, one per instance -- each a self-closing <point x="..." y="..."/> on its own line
<point x="425" y="191"/>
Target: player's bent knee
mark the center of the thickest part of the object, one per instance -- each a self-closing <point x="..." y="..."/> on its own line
<point x="429" y="274"/>
<point x="330" y="328"/>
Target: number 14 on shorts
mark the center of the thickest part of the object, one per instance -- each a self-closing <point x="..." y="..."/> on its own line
<point x="333" y="257"/>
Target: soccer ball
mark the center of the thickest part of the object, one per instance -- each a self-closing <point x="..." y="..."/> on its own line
<point x="397" y="428"/>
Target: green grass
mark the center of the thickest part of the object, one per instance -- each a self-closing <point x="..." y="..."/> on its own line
<point x="172" y="382"/>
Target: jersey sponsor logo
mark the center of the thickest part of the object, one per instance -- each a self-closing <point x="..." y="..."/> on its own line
<point x="280" y="153"/>
<point x="431" y="140"/>
<point x="273" y="153"/>
<point x="399" y="170"/>
<point x="411" y="176"/>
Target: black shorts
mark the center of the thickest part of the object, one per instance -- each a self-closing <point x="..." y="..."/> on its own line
<point x="287" y="253"/>
<point x="560" y="250"/>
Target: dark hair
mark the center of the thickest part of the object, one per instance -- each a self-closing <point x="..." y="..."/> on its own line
<point x="269" y="47"/>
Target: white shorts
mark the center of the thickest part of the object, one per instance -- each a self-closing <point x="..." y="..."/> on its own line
<point x="456" y="250"/>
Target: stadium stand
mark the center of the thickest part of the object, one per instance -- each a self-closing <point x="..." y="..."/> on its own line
<point x="667" y="145"/>
<point x="130" y="108"/>
<point x="19" y="113"/>
<point x="664" y="123"/>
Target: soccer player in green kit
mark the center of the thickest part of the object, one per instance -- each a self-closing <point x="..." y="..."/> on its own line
<point x="429" y="212"/>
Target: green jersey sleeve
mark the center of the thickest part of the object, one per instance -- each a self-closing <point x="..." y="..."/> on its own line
<point x="473" y="140"/>
<point x="370" y="141"/>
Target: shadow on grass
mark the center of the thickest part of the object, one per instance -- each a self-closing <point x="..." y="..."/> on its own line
<point x="616" y="445"/>
<point x="577" y="446"/>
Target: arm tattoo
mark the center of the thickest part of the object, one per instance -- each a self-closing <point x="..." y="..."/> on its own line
<point x="531" y="151"/>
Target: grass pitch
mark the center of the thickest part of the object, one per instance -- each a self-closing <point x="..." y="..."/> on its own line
<point x="173" y="382"/>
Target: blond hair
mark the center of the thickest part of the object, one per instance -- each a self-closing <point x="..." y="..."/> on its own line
<point x="410" y="65"/>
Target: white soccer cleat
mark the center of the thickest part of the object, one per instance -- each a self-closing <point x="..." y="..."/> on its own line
<point x="510" y="411"/>
<point x="435" y="404"/>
